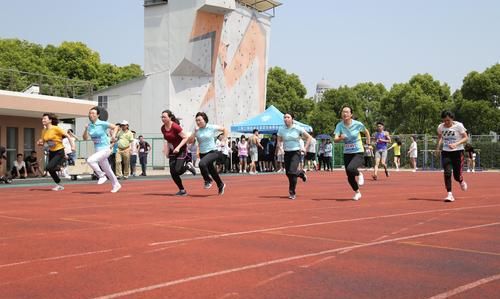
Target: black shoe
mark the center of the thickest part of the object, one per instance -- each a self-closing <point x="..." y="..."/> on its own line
<point x="303" y="176"/>
<point x="181" y="193"/>
<point x="386" y="172"/>
<point x="221" y="189"/>
<point x="291" y="196"/>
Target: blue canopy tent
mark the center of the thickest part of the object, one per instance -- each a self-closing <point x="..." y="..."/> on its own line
<point x="267" y="122"/>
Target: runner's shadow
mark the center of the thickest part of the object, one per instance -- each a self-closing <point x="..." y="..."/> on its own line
<point x="274" y="196"/>
<point x="426" y="199"/>
<point x="40" y="189"/>
<point x="160" y="194"/>
<point x="335" y="199"/>
<point x="89" y="192"/>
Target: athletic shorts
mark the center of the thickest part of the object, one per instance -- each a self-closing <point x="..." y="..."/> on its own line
<point x="382" y="155"/>
<point x="310" y="156"/>
<point x="280" y="158"/>
<point x="254" y="156"/>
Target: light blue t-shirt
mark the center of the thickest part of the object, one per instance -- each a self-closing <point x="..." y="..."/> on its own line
<point x="291" y="137"/>
<point x="206" y="138"/>
<point x="352" y="141"/>
<point x="98" y="132"/>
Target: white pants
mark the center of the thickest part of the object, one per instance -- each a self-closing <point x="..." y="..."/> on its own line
<point x="98" y="161"/>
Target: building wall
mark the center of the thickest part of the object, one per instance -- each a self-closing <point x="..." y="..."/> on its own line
<point x="199" y="55"/>
<point x="21" y="123"/>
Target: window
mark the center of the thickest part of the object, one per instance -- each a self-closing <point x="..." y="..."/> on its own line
<point x="12" y="139"/>
<point x="29" y="141"/>
<point x="102" y="101"/>
<point x="154" y="2"/>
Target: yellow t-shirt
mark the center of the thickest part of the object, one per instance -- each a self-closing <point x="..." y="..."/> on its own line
<point x="397" y="149"/>
<point x="53" y="137"/>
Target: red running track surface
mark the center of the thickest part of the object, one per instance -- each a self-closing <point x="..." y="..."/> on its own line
<point x="399" y="241"/>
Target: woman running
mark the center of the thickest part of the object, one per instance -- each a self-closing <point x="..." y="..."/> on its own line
<point x="52" y="135"/>
<point x="348" y="130"/>
<point x="452" y="135"/>
<point x="205" y="135"/>
<point x="97" y="130"/>
<point x="397" y="152"/>
<point x="176" y="149"/>
<point x="290" y="135"/>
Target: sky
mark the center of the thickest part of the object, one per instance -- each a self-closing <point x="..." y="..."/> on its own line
<point x="343" y="42"/>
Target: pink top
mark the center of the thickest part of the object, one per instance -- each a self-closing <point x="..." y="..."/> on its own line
<point x="242" y="149"/>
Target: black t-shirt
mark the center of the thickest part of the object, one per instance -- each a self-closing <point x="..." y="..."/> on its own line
<point x="144" y="147"/>
<point x="30" y="159"/>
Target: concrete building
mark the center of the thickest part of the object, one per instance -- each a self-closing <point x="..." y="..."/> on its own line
<point x="200" y="55"/>
<point x="321" y="87"/>
<point x="20" y="119"/>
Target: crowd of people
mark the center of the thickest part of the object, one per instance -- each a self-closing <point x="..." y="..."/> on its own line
<point x="291" y="150"/>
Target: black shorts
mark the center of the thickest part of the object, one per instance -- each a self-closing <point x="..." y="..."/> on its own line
<point x="310" y="156"/>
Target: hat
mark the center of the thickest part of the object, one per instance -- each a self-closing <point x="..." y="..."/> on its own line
<point x="124" y="123"/>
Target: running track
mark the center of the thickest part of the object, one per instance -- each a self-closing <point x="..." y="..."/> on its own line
<point x="399" y="241"/>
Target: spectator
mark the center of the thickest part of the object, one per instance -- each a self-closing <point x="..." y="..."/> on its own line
<point x="3" y="156"/>
<point x="134" y="154"/>
<point x="270" y="153"/>
<point x="243" y="153"/>
<point x="125" y="137"/>
<point x="311" y="155"/>
<point x="234" y="156"/>
<point x="192" y="152"/>
<point x="32" y="164"/>
<point x="144" y="149"/>
<point x="328" y="155"/>
<point x="19" y="169"/>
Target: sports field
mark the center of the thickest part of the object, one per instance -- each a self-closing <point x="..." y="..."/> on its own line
<point x="399" y="241"/>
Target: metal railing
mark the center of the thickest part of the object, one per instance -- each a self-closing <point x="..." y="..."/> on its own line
<point x="14" y="80"/>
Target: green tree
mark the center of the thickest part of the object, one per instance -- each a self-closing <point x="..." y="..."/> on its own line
<point x="414" y="107"/>
<point x="483" y="86"/>
<point x="287" y="93"/>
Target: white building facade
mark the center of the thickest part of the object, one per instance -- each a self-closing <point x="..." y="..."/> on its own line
<point x="200" y="55"/>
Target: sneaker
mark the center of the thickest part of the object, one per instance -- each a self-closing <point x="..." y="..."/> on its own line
<point x="374" y="177"/>
<point x="207" y="185"/>
<point x="116" y="188"/>
<point x="125" y="177"/>
<point x="291" y="196"/>
<point x="449" y="198"/>
<point x="361" y="179"/>
<point x="357" y="196"/>
<point x="473" y="170"/>
<point x="463" y="186"/>
<point x="102" y="180"/>
<point x="221" y="189"/>
<point x="58" y="188"/>
<point x="191" y="168"/>
<point x="468" y="170"/>
<point x="241" y="171"/>
<point x="304" y="177"/>
<point x="386" y="172"/>
<point x="181" y="193"/>
<point x="414" y="170"/>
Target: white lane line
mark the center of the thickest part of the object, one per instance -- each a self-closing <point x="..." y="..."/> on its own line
<point x="15" y="218"/>
<point x="466" y="287"/>
<point x="274" y="278"/>
<point x="283" y="260"/>
<point x="229" y="295"/>
<point x="318" y="261"/>
<point x="56" y="258"/>
<point x="216" y="236"/>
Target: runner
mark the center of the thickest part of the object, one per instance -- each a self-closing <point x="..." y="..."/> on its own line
<point x="97" y="130"/>
<point x="176" y="150"/>
<point x="382" y="138"/>
<point x="52" y="136"/>
<point x="452" y="135"/>
<point x="348" y="130"/>
<point x="205" y="135"/>
<point x="290" y="135"/>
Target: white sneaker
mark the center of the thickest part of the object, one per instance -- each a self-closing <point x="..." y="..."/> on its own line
<point x="463" y="186"/>
<point x="473" y="170"/>
<point x="191" y="168"/>
<point x="449" y="198"/>
<point x="102" y="180"/>
<point x="361" y="179"/>
<point x="116" y="188"/>
<point x="58" y="188"/>
<point x="468" y="170"/>
<point x="357" y="196"/>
